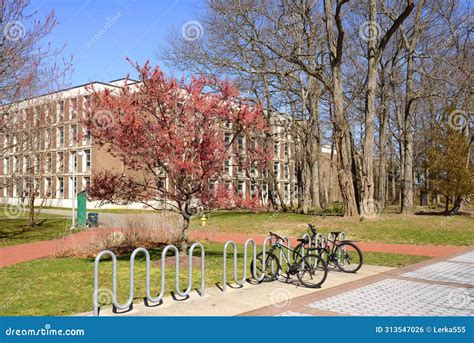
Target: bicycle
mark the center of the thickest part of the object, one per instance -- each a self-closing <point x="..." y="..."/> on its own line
<point x="345" y="255"/>
<point x="310" y="269"/>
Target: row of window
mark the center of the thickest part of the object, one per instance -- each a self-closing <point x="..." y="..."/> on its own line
<point x="46" y="166"/>
<point x="48" y="114"/>
<point x="16" y="146"/>
<point x="241" y="145"/>
<point x="45" y="187"/>
<point x="241" y="189"/>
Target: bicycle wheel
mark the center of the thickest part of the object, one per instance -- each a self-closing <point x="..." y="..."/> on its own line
<point x="313" y="271"/>
<point x="271" y="267"/>
<point x="348" y="257"/>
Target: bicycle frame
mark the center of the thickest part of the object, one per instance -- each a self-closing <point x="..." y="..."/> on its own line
<point x="279" y="246"/>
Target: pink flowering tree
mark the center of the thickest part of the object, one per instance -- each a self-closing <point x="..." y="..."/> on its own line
<point x="169" y="135"/>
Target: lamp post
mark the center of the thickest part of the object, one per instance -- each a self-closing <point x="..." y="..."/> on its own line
<point x="74" y="155"/>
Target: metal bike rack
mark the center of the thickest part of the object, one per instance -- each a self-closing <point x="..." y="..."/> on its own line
<point x="321" y="241"/>
<point x="308" y="237"/>
<point x="254" y="270"/>
<point x="149" y="298"/>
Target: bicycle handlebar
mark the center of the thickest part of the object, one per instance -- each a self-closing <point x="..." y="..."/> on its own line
<point x="312" y="228"/>
<point x="277" y="236"/>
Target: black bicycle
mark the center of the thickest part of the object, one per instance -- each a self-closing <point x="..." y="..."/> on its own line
<point x="345" y="254"/>
<point x="310" y="269"/>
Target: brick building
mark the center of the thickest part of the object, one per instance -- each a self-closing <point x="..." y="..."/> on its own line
<point x="44" y="139"/>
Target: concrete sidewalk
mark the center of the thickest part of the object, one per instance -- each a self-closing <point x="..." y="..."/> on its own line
<point x="438" y="287"/>
<point x="240" y="300"/>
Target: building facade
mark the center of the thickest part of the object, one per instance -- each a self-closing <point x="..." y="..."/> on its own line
<point x="46" y="149"/>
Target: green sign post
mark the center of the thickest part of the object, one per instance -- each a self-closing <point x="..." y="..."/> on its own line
<point x="81" y="209"/>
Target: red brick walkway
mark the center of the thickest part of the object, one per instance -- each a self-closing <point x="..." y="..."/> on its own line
<point x="33" y="251"/>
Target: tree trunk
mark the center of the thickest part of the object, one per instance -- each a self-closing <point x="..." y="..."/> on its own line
<point x="343" y="150"/>
<point x="367" y="208"/>
<point x="407" y="194"/>
<point x="183" y="243"/>
<point x="186" y="214"/>
<point x="341" y="125"/>
<point x="382" y="190"/>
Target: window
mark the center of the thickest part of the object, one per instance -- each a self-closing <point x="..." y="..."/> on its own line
<point x="286" y="151"/>
<point x="72" y="109"/>
<point x="26" y="188"/>
<point x="228" y="124"/>
<point x="276" y="169"/>
<point x="25" y="164"/>
<point x="73" y="139"/>
<point x="276" y="149"/>
<point x="72" y="188"/>
<point x="60" y="136"/>
<point x="86" y="183"/>
<point x="15" y="190"/>
<point x="60" y="187"/>
<point x="253" y="169"/>
<point x="37" y="163"/>
<point x="47" y="187"/>
<point x="6" y="142"/>
<point x="253" y="188"/>
<point x="227" y="138"/>
<point x="6" y="167"/>
<point x="16" y="167"/>
<point x="287" y="170"/>
<point x="87" y="136"/>
<point x="36" y="116"/>
<point x="4" y="188"/>
<point x="60" y="111"/>
<point x="36" y="187"/>
<point x="47" y="138"/>
<point x="227" y="167"/>
<point x="47" y="118"/>
<point x="240" y="188"/>
<point x="15" y="144"/>
<point x="287" y="191"/>
<point x="60" y="162"/>
<point x="240" y="143"/>
<point x="87" y="160"/>
<point x="87" y="102"/>
<point x="49" y="163"/>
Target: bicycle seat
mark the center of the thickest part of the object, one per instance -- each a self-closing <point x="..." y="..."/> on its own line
<point x="303" y="240"/>
<point x="336" y="233"/>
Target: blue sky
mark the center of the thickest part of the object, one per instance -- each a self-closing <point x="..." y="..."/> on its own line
<point x="100" y="34"/>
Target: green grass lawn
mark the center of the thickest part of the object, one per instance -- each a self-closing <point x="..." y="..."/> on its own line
<point x="16" y="231"/>
<point x="389" y="228"/>
<point x="65" y="286"/>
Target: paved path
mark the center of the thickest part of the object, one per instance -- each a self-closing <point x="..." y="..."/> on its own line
<point x="32" y="251"/>
<point x="439" y="287"/>
<point x="237" y="300"/>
